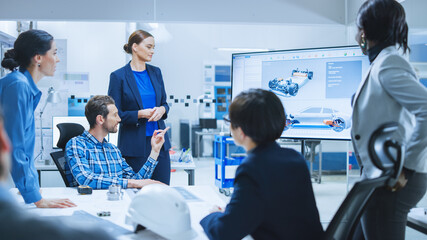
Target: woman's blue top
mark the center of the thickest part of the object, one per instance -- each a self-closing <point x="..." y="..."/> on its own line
<point x="148" y="96"/>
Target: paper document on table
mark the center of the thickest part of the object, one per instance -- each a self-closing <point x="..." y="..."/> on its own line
<point x="419" y="211"/>
<point x="131" y="192"/>
<point x="188" y="196"/>
<point x="84" y="219"/>
<point x="53" y="212"/>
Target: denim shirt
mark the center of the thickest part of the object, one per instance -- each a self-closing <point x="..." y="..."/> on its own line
<point x="19" y="97"/>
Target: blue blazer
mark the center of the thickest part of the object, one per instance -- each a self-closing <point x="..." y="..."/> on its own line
<point x="272" y="199"/>
<point x="124" y="91"/>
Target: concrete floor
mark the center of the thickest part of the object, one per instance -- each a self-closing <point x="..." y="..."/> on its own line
<point x="329" y="194"/>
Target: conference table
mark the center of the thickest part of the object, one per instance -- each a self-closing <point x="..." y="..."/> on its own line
<point x="188" y="167"/>
<point x="417" y="219"/>
<point x="200" y="200"/>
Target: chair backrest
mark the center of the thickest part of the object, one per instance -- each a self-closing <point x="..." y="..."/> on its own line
<point x="350" y="211"/>
<point x="66" y="131"/>
<point x="386" y="154"/>
<point x="60" y="161"/>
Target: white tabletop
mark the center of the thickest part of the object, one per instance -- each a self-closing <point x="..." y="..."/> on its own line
<point x="200" y="133"/>
<point x="98" y="202"/>
<point x="43" y="167"/>
<point x="183" y="165"/>
<point x="174" y="165"/>
<point x="418" y="217"/>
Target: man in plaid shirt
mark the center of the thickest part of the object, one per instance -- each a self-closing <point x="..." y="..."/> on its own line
<point x="97" y="163"/>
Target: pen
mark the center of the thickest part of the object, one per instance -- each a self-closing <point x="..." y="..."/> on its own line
<point x="180" y="156"/>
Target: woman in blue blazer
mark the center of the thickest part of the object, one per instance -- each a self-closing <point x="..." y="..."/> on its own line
<point x="139" y="93"/>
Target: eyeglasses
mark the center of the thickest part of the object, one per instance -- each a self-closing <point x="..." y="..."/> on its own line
<point x="226" y="120"/>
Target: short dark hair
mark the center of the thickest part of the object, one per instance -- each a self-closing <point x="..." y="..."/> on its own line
<point x="259" y="113"/>
<point x="384" y="21"/>
<point x="136" y="37"/>
<point x="27" y="45"/>
<point x="97" y="105"/>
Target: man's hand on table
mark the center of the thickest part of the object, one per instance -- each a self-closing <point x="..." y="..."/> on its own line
<point x="140" y="183"/>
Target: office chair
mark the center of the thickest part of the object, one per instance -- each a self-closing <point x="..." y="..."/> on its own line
<point x="66" y="132"/>
<point x="387" y="155"/>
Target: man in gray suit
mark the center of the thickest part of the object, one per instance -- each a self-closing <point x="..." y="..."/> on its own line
<point x="16" y="223"/>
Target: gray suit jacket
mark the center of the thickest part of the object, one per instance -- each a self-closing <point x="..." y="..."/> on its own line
<point x="390" y="91"/>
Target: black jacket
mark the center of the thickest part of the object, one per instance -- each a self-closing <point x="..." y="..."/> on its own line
<point x="273" y="199"/>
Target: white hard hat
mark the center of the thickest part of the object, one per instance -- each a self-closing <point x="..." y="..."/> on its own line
<point x="162" y="210"/>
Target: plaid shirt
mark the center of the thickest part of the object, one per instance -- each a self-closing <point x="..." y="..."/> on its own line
<point x="99" y="165"/>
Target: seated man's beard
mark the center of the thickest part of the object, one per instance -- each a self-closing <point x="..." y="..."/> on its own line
<point x="111" y="129"/>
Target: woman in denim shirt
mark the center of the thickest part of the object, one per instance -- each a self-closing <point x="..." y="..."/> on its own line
<point x="34" y="53"/>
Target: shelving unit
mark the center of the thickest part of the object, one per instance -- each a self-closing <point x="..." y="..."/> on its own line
<point x="227" y="158"/>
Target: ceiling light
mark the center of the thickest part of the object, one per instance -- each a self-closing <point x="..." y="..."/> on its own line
<point x="243" y="49"/>
<point x="153" y="25"/>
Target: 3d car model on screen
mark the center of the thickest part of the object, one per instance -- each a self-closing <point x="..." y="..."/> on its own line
<point x="290" y="86"/>
<point x="319" y="117"/>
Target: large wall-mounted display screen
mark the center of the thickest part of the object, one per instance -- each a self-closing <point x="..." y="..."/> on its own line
<point x="315" y="86"/>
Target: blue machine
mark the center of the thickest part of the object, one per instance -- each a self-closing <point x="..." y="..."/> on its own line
<point x="226" y="154"/>
<point x="223" y="100"/>
<point x="222" y="73"/>
<point x="218" y="86"/>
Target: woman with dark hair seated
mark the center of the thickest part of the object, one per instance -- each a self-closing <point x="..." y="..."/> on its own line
<point x="273" y="197"/>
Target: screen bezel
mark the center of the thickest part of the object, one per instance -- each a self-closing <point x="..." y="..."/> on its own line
<point x="285" y="51"/>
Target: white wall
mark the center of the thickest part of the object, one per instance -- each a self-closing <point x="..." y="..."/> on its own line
<point x="93" y="47"/>
<point x="96" y="47"/>
<point x="9" y="27"/>
<point x="414" y="9"/>
<point x="183" y="46"/>
<point x="181" y="57"/>
<point x="236" y="11"/>
<point x="181" y="50"/>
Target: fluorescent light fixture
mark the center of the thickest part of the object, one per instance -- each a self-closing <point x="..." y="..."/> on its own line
<point x="400" y="1"/>
<point x="153" y="25"/>
<point x="243" y="49"/>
